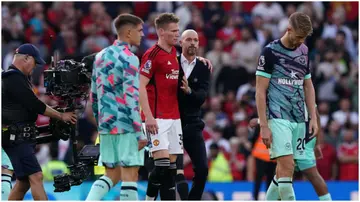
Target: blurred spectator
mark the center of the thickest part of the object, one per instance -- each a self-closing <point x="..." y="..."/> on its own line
<point x="323" y="109"/>
<point x="219" y="166"/>
<point x="260" y="32"/>
<point x="240" y="17"/>
<point x="330" y="30"/>
<point x="229" y="34"/>
<point x="332" y="136"/>
<point x="13" y="26"/>
<point x="150" y="38"/>
<point x="94" y="42"/>
<point x="246" y="51"/>
<point x="219" y="58"/>
<point x="212" y="14"/>
<point x="230" y="78"/>
<point x="245" y="145"/>
<point x="217" y="139"/>
<point x="348" y="156"/>
<point x="327" y="165"/>
<point x="354" y="86"/>
<point x="66" y="43"/>
<point x="97" y="21"/>
<point x="210" y="124"/>
<point x="271" y="13"/>
<point x="344" y="114"/>
<point x="246" y="92"/>
<point x="229" y="105"/>
<point x="185" y="12"/>
<point x="236" y="159"/>
<point x="165" y="7"/>
<point x="222" y="119"/>
<point x="283" y="23"/>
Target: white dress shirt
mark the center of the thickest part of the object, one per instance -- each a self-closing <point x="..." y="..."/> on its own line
<point x="187" y="66"/>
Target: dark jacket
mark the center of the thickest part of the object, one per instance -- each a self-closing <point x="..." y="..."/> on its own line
<point x="198" y="81"/>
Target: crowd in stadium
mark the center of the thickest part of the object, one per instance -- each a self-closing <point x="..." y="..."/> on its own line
<point x="232" y="35"/>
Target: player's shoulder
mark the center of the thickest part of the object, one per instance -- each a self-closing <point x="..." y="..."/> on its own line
<point x="304" y="48"/>
<point x="152" y="52"/>
<point x="273" y="44"/>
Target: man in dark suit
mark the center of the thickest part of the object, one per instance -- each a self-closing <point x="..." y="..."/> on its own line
<point x="194" y="79"/>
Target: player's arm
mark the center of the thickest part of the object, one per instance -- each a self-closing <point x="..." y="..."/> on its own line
<point x="310" y="96"/>
<point x="319" y="134"/>
<point x="262" y="84"/>
<point x="147" y="70"/>
<point x="131" y="92"/>
<point x="93" y="95"/>
<point x="144" y="101"/>
<point x="309" y="92"/>
<point x="198" y="96"/>
<point x="263" y="75"/>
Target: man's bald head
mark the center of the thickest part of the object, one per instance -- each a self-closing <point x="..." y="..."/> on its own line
<point x="189" y="42"/>
<point x="189" y="32"/>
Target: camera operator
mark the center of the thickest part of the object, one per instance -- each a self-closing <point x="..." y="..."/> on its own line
<point x="20" y="108"/>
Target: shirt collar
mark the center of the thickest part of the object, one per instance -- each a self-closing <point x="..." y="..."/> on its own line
<point x="117" y="42"/>
<point x="183" y="59"/>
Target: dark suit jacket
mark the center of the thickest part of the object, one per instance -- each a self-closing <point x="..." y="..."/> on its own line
<point x="198" y="81"/>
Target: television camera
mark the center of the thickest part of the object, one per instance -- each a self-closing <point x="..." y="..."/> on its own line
<point x="69" y="82"/>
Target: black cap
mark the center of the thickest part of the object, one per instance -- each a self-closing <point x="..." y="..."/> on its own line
<point x="29" y="49"/>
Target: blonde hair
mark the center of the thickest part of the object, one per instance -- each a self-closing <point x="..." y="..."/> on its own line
<point x="301" y="23"/>
<point x="164" y="19"/>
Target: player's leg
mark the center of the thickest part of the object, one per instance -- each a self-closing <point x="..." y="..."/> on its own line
<point x="272" y="193"/>
<point x="181" y="184"/>
<point x="6" y="186"/>
<point x="269" y="172"/>
<point x="260" y="171"/>
<point x="175" y="148"/>
<point x="318" y="183"/>
<point x="110" y="159"/>
<point x="160" y="152"/>
<point x="131" y="159"/>
<point x="282" y="150"/>
<point x="195" y="146"/>
<point x="6" y="175"/>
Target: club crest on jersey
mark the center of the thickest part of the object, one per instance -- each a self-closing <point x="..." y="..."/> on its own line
<point x="156" y="143"/>
<point x="147" y="66"/>
<point x="262" y="61"/>
<point x="301" y="60"/>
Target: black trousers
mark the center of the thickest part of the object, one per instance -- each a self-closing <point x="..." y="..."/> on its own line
<point x="194" y="145"/>
<point x="263" y="168"/>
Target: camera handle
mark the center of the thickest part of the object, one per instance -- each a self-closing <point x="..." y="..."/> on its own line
<point x="74" y="133"/>
<point x="74" y="142"/>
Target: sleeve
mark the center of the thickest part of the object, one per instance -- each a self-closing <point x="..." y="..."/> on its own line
<point x="19" y="89"/>
<point x="147" y="67"/>
<point x="93" y="95"/>
<point x="308" y="70"/>
<point x="131" y="91"/>
<point x="265" y="63"/>
<point x="199" y="96"/>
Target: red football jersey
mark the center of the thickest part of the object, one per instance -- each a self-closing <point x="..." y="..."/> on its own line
<point x="349" y="171"/>
<point x="162" y="68"/>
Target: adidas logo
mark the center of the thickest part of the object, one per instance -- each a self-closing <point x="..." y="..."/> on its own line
<point x="169" y="63"/>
